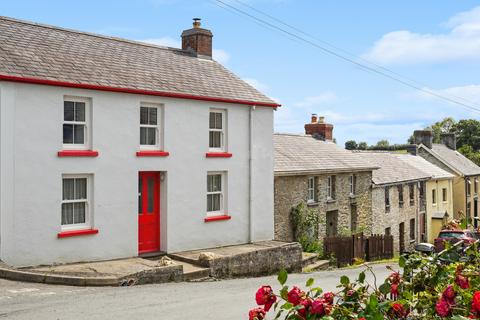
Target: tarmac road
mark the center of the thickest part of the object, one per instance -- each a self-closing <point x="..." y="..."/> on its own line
<point x="226" y="299"/>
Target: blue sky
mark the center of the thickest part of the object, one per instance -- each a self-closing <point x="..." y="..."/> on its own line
<point x="436" y="43"/>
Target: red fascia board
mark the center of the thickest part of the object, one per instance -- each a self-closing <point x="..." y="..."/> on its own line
<point x="218" y="155"/>
<point x="77" y="153"/>
<point x="218" y="218"/>
<point x="74" y="233"/>
<point x="130" y="90"/>
<point x="153" y="153"/>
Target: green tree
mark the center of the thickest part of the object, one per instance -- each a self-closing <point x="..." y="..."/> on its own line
<point x="467" y="151"/>
<point x="383" y="144"/>
<point x="468" y="133"/>
<point x="444" y="126"/>
<point x="351" y="145"/>
<point x="362" y="146"/>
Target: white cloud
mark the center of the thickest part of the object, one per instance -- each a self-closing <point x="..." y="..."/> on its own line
<point x="320" y="99"/>
<point x="406" y="47"/>
<point x="219" y="55"/>
<point x="256" y="84"/>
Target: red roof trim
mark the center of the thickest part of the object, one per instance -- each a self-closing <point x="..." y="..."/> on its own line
<point x="218" y="155"/>
<point x="129" y="90"/>
<point x="77" y="153"/>
<point x="152" y="153"/>
<point x="74" y="233"/>
<point x="218" y="218"/>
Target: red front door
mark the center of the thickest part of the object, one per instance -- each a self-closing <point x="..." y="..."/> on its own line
<point x="148" y="212"/>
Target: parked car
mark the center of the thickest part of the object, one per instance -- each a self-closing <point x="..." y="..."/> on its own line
<point x="454" y="236"/>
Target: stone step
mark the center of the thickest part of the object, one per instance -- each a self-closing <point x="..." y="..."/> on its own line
<point x="308" y="258"/>
<point x="316" y="266"/>
<point x="193" y="272"/>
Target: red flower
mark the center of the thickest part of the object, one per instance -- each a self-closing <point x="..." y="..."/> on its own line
<point x="328" y="297"/>
<point x="306" y="303"/>
<point x="476" y="302"/>
<point x="266" y="297"/>
<point x="462" y="281"/>
<point x="443" y="308"/>
<point x="295" y="296"/>
<point x="399" y="310"/>
<point x="394" y="278"/>
<point x="449" y="294"/>
<point x="394" y="290"/>
<point x="317" y="307"/>
<point x="256" y="314"/>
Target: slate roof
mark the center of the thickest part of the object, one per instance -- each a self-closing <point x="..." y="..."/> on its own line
<point x="31" y="50"/>
<point x="425" y="166"/>
<point x="393" y="169"/>
<point x="454" y="159"/>
<point x="303" y="154"/>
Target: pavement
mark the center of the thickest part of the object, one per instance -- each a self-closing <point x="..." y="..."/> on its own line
<point x="226" y="299"/>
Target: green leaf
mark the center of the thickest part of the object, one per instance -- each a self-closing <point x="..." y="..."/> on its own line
<point x="286" y="306"/>
<point x="361" y="277"/>
<point x="282" y="277"/>
<point x="384" y="288"/>
<point x="344" y="280"/>
<point x="401" y="261"/>
<point x="284" y="293"/>
<point x="310" y="282"/>
<point x="373" y="303"/>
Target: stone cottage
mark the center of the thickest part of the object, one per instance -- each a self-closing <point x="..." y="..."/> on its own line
<point x="398" y="197"/>
<point x="334" y="182"/>
<point x="467" y="173"/>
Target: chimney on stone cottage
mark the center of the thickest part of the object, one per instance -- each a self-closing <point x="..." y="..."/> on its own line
<point x="198" y="40"/>
<point x="318" y="128"/>
<point x="424" y="137"/>
<point x="449" y="139"/>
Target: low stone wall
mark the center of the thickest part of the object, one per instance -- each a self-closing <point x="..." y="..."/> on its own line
<point x="260" y="262"/>
<point x="157" y="275"/>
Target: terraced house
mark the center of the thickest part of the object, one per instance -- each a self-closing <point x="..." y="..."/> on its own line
<point x="466" y="173"/>
<point x="334" y="182"/>
<point x="111" y="148"/>
<point x="401" y="206"/>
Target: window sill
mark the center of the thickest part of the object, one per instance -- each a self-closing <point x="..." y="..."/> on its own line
<point x="312" y="204"/>
<point x="74" y="233"/>
<point x="218" y="218"/>
<point x="218" y="155"/>
<point x="77" y="153"/>
<point x="331" y="200"/>
<point x="153" y="153"/>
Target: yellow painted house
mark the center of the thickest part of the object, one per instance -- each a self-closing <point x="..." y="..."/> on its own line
<point x="438" y="197"/>
<point x="466" y="173"/>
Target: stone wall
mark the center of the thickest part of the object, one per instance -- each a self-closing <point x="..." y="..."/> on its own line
<point x="396" y="215"/>
<point x="291" y="190"/>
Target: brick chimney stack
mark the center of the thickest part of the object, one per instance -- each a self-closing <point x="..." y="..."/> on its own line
<point x="198" y="40"/>
<point x="449" y="140"/>
<point x="318" y="128"/>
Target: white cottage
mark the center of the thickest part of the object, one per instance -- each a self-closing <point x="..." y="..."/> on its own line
<point x="111" y="148"/>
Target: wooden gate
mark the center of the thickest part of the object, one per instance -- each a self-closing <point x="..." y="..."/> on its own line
<point x="379" y="247"/>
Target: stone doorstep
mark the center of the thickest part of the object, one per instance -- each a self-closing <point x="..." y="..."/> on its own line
<point x="316" y="266"/>
<point x="308" y="258"/>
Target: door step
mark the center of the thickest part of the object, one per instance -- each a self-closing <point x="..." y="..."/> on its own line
<point x="192" y="272"/>
<point x="316" y="266"/>
<point x="308" y="258"/>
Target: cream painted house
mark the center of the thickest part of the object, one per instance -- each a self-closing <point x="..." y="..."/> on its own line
<point x="466" y="173"/>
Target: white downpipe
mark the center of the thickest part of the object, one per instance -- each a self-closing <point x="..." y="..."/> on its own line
<point x="250" y="175"/>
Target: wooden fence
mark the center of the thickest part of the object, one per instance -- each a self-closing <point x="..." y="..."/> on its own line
<point x="346" y="249"/>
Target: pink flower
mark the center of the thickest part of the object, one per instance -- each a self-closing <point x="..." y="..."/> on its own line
<point x="394" y="278"/>
<point x="399" y="310"/>
<point x="462" y="281"/>
<point x="317" y="307"/>
<point x="306" y="303"/>
<point x="394" y="290"/>
<point x="295" y="296"/>
<point x="256" y="314"/>
<point x="449" y="294"/>
<point x="328" y="297"/>
<point x="443" y="308"/>
<point x="265" y="297"/>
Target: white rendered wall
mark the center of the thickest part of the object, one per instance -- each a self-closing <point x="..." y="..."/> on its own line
<point x="31" y="184"/>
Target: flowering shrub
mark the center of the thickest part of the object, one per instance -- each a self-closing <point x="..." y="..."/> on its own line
<point x="428" y="288"/>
